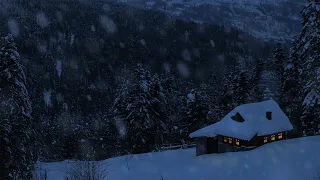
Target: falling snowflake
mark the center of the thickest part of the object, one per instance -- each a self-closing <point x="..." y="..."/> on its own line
<point x="183" y="70"/>
<point x="13" y="27"/>
<point x="72" y="38"/>
<point x="143" y="42"/>
<point x="89" y="97"/>
<point x="166" y="67"/>
<point x="42" y="20"/>
<point x="186" y="55"/>
<point x="42" y="47"/>
<point x="108" y="24"/>
<point x="212" y="43"/>
<point x="47" y="97"/>
<point x="93" y="29"/>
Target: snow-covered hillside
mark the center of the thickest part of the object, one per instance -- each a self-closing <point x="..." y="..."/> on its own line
<point x="295" y="159"/>
<point x="268" y="19"/>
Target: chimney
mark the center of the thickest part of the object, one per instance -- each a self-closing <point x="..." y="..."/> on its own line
<point x="269" y="115"/>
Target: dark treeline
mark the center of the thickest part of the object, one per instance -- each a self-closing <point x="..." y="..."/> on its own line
<point x="106" y="79"/>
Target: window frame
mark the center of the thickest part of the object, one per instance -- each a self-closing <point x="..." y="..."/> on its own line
<point x="273" y="137"/>
<point x="238" y="142"/>
<point x="225" y="139"/>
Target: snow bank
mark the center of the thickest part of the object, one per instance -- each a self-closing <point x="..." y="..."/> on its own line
<point x="293" y="159"/>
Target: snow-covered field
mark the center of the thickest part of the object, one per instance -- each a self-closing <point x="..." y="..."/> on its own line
<point x="295" y="159"/>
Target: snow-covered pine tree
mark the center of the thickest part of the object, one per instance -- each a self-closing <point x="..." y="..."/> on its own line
<point x="139" y="109"/>
<point x="241" y="89"/>
<point x="256" y="92"/>
<point x="291" y="89"/>
<point x="195" y="115"/>
<point x="209" y="95"/>
<point x="267" y="94"/>
<point x="158" y="104"/>
<point x="226" y="100"/>
<point x="279" y="60"/>
<point x="310" y="117"/>
<point x="174" y="100"/>
<point x="15" y="119"/>
<point x="308" y="51"/>
<point x="119" y="114"/>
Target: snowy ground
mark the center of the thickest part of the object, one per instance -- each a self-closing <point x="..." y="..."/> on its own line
<point x="295" y="159"/>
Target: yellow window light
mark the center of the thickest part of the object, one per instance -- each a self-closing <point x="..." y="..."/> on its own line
<point x="265" y="139"/>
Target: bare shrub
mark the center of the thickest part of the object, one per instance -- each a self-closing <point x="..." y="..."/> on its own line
<point x="88" y="170"/>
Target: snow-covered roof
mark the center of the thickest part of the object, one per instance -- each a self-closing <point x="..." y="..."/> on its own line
<point x="256" y="122"/>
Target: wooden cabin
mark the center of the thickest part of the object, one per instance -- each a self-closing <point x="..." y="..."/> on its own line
<point x="244" y="128"/>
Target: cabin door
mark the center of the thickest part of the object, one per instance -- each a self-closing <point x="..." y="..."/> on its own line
<point x="212" y="145"/>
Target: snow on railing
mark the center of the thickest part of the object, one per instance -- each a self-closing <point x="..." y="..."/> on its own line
<point x="176" y="146"/>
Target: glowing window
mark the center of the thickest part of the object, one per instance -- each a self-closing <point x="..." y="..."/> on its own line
<point x="230" y="140"/>
<point x="265" y="139"/>
<point x="280" y="136"/>
<point x="225" y="139"/>
<point x="273" y="137"/>
<point x="238" y="142"/>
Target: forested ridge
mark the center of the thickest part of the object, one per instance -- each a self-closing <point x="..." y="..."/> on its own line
<point x="106" y="79"/>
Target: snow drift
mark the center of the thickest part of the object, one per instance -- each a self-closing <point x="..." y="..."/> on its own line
<point x="293" y="159"/>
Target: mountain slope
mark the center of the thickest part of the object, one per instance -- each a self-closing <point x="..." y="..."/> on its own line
<point x="293" y="159"/>
<point x="77" y="52"/>
<point x="267" y="19"/>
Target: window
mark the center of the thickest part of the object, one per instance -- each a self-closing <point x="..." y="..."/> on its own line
<point x="237" y="142"/>
<point x="280" y="136"/>
<point x="269" y="115"/>
<point x="225" y="139"/>
<point x="265" y="139"/>
<point x="273" y="137"/>
<point x="237" y="117"/>
<point x="230" y="140"/>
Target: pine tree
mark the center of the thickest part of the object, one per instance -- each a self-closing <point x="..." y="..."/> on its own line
<point x="257" y="92"/>
<point x="174" y="101"/>
<point x="241" y="89"/>
<point x="227" y="96"/>
<point x="120" y="112"/>
<point x="307" y="50"/>
<point x="311" y="115"/>
<point x="267" y="94"/>
<point x="140" y="108"/>
<point x="279" y="60"/>
<point x="195" y="115"/>
<point x="292" y="89"/>
<point x="158" y="104"/>
<point x="15" y="130"/>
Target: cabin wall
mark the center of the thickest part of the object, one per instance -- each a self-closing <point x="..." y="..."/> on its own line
<point x="227" y="147"/>
<point x="261" y="138"/>
<point x="206" y="145"/>
<point x="256" y="141"/>
<point x="212" y="145"/>
<point x="201" y="146"/>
